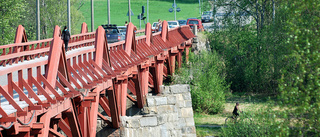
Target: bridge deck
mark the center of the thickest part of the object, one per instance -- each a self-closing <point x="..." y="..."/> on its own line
<point x="40" y="76"/>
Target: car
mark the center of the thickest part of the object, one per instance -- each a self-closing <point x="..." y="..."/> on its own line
<point x="182" y="22"/>
<point x="154" y="26"/>
<point x="207" y="16"/>
<point x="123" y="31"/>
<point x="112" y="33"/>
<point x="192" y="22"/>
<point x="192" y="18"/>
<point x="173" y="24"/>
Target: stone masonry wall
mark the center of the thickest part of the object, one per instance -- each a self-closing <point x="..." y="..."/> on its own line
<point x="167" y="115"/>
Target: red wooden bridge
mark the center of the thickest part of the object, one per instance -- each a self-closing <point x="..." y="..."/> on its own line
<point x="47" y="89"/>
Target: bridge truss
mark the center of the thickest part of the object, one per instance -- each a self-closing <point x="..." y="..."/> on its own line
<point x="49" y="89"/>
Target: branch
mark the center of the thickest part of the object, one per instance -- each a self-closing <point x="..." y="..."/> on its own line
<point x="242" y="8"/>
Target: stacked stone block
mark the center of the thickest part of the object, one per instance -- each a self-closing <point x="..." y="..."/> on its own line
<point x="168" y="115"/>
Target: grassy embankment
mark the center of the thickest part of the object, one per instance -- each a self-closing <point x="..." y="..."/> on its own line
<point x="249" y="103"/>
<point x="158" y="9"/>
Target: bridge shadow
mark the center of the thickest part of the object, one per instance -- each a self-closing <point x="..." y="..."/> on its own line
<point x="108" y="132"/>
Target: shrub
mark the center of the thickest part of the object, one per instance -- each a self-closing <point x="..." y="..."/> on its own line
<point x="206" y="78"/>
<point x="263" y="124"/>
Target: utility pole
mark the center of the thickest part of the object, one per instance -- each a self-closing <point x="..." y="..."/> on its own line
<point x="147" y="10"/>
<point x="38" y="20"/>
<point x="199" y="8"/>
<point x="175" y="9"/>
<point x="129" y="7"/>
<point x="109" y="21"/>
<point x="69" y="16"/>
<point x="92" y="17"/>
<point x="140" y="21"/>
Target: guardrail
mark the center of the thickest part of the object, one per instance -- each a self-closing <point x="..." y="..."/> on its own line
<point x="46" y="87"/>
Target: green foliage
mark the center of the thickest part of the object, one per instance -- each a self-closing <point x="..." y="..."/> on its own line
<point x="52" y="13"/>
<point x="276" y="54"/>
<point x="262" y="124"/>
<point x="251" y="44"/>
<point x="10" y="15"/>
<point x="300" y="83"/>
<point x="207" y="82"/>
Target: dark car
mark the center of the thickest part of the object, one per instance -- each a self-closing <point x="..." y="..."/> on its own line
<point x="112" y="33"/>
<point x="123" y="31"/>
<point x="182" y="22"/>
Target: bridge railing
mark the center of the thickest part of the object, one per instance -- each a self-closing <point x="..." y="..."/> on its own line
<point x="58" y="85"/>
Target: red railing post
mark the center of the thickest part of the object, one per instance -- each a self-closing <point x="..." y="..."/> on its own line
<point x="54" y="57"/>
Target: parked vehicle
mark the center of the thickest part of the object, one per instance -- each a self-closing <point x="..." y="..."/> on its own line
<point x="182" y="22"/>
<point x="207" y="16"/>
<point x="173" y="24"/>
<point x="192" y="22"/>
<point x="112" y="33"/>
<point x="123" y="31"/>
<point x="154" y="27"/>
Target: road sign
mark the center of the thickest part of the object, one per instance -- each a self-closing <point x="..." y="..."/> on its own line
<point x="131" y="13"/>
<point x="142" y="9"/>
<point x="170" y="10"/>
<point x="174" y="5"/>
<point x="178" y="9"/>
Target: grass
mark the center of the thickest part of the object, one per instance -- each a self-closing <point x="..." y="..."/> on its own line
<point x="158" y="9"/>
<point x="248" y="103"/>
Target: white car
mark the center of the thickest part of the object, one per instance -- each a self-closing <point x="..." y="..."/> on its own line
<point x="154" y="26"/>
<point x="173" y="24"/>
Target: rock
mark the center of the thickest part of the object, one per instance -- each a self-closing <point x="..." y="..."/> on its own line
<point x="164" y="89"/>
<point x="188" y="103"/>
<point x="160" y="101"/>
<point x="171" y="100"/>
<point x="186" y="112"/>
<point x="188" y="130"/>
<point x="179" y="88"/>
<point x="150" y="102"/>
<point x="189" y="121"/>
<point x="148" y="121"/>
<point x="187" y="96"/>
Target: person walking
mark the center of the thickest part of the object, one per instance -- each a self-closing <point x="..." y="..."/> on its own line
<point x="126" y="23"/>
<point x="159" y="25"/>
<point x="65" y="37"/>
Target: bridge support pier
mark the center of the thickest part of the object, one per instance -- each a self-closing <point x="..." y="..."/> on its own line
<point x="157" y="73"/>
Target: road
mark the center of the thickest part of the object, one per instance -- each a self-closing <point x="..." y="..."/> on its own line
<point x="208" y="26"/>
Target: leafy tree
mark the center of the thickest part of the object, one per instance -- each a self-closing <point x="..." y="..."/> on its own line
<point x="53" y="13"/>
<point x="250" y="43"/>
<point x="300" y="83"/>
<point x="10" y="18"/>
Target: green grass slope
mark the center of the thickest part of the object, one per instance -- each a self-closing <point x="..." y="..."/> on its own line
<point x="158" y="9"/>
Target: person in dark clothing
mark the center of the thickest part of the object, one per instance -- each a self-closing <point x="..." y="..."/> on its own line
<point x="236" y="110"/>
<point x="65" y="37"/>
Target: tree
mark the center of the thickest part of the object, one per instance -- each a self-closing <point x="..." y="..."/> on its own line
<point x="10" y="15"/>
<point x="300" y="82"/>
<point x="250" y="41"/>
<point x="53" y="13"/>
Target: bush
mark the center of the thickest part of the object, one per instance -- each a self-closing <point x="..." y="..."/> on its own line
<point x="263" y="124"/>
<point x="206" y="78"/>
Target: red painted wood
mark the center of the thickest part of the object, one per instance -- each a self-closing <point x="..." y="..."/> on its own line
<point x="141" y="60"/>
